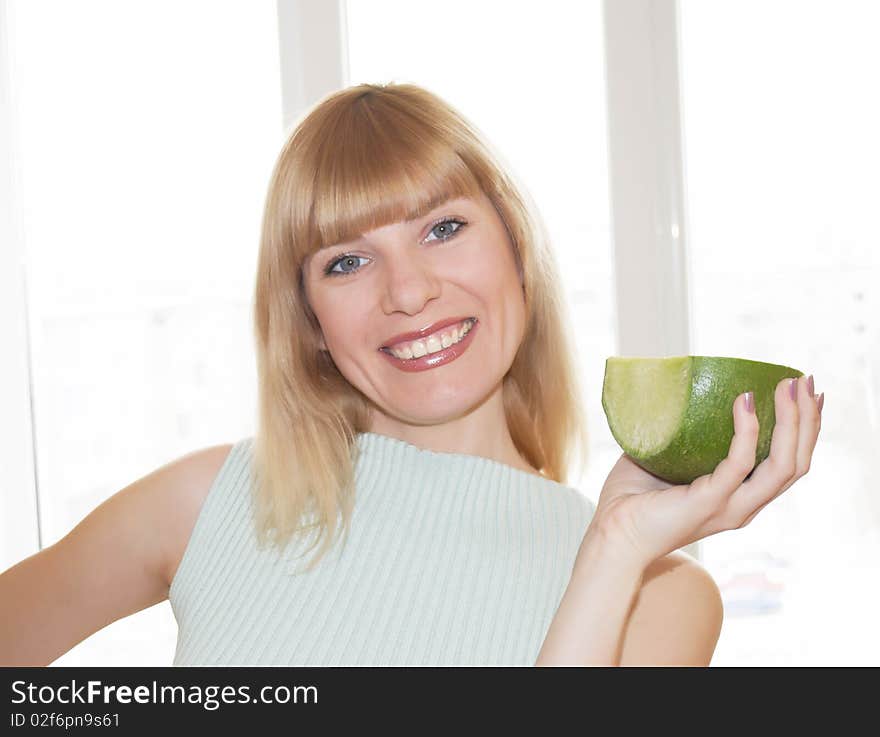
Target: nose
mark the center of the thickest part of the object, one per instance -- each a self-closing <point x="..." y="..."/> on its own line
<point x="410" y="283"/>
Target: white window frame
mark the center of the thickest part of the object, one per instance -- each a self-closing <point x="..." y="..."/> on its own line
<point x="313" y="46"/>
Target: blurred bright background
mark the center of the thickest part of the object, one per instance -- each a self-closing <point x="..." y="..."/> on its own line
<point x="146" y="134"/>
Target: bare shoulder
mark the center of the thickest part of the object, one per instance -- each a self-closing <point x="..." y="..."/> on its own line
<point x="676" y="618"/>
<point x="182" y="487"/>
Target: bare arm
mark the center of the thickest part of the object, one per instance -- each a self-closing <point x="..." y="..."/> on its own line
<point x="589" y="623"/>
<point x="677" y="616"/>
<point x="117" y="561"/>
<point x="615" y="612"/>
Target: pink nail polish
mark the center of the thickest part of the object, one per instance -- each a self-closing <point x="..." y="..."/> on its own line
<point x="792" y="389"/>
<point x="821" y="401"/>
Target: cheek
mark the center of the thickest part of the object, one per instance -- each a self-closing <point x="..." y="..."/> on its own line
<point x="340" y="333"/>
<point x="333" y="307"/>
<point x="493" y="273"/>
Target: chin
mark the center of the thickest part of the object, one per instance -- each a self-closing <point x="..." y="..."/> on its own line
<point x="436" y="406"/>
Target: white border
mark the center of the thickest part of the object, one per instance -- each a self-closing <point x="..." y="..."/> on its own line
<point x="19" y="504"/>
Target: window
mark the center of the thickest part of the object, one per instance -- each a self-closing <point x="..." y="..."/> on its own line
<point x="782" y="155"/>
<point x="144" y="176"/>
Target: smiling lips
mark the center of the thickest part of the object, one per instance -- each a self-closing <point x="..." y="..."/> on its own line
<point x="433" y="346"/>
<point x="425" y="331"/>
<point x="433" y="342"/>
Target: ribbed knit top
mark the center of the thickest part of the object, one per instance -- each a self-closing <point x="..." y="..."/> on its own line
<point x="451" y="559"/>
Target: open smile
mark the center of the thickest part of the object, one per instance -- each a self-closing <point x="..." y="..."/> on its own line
<point x="458" y="338"/>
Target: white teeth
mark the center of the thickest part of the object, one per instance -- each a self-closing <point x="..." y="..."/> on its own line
<point x="433" y="343"/>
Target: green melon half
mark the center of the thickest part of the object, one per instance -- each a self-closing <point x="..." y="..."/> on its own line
<point x="674" y="416"/>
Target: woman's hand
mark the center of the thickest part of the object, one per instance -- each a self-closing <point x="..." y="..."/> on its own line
<point x="643" y="516"/>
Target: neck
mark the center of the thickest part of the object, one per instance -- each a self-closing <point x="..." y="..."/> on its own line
<point x="481" y="432"/>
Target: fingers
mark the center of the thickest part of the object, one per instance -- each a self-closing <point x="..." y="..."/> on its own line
<point x="791" y="449"/>
<point x="809" y="425"/>
<point x="731" y="472"/>
<point x="728" y="500"/>
<point x="781" y="465"/>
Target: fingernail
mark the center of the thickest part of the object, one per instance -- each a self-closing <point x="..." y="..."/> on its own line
<point x="792" y="389"/>
<point x="821" y="401"/>
<point x="811" y="389"/>
<point x="750" y="402"/>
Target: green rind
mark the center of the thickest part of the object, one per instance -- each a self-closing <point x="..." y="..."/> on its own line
<point x="705" y="434"/>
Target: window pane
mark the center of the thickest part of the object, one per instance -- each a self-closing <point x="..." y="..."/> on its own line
<point x="144" y="179"/>
<point x="531" y="77"/>
<point x="781" y="121"/>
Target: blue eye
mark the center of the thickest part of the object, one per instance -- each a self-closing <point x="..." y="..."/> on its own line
<point x="349" y="259"/>
<point x="448" y="232"/>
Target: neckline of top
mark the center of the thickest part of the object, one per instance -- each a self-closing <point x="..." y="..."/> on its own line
<point x="415" y="451"/>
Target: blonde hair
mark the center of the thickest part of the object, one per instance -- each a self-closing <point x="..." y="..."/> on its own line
<point x="361" y="158"/>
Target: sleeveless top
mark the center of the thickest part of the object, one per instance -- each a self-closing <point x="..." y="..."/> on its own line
<point x="451" y="559"/>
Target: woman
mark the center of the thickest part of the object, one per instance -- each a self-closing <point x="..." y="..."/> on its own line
<point x="402" y="500"/>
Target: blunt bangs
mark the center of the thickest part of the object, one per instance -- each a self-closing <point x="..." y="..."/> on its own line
<point x="379" y="166"/>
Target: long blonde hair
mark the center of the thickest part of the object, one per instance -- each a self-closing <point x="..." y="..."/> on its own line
<point x="361" y="158"/>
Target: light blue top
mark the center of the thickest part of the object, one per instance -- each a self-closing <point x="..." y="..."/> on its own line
<point x="451" y="559"/>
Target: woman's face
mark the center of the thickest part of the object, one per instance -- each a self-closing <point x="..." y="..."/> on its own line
<point x="424" y="277"/>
